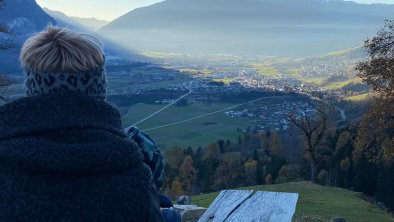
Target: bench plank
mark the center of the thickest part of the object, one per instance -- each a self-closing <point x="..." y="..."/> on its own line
<point x="266" y="207"/>
<point x="224" y="204"/>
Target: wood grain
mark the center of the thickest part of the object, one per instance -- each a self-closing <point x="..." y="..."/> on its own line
<point x="225" y="204"/>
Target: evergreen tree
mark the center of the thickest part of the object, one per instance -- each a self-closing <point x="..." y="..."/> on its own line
<point x="366" y="176"/>
<point x="222" y="146"/>
<point x="385" y="187"/>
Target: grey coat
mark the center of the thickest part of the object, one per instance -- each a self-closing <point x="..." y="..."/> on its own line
<point x="65" y="157"/>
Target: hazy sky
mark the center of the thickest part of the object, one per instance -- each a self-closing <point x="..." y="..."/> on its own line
<point x="111" y="9"/>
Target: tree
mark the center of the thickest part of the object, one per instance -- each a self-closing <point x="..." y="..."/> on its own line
<point x="376" y="134"/>
<point x="275" y="144"/>
<point x="374" y="147"/>
<point x="176" y="188"/>
<point x="345" y="164"/>
<point x="187" y="174"/>
<point x="314" y="130"/>
<point x="385" y="187"/>
<point x="250" y="172"/>
<point x="377" y="70"/>
<point x="268" y="179"/>
<point x="343" y="140"/>
<point x="210" y="161"/>
<point x="322" y="177"/>
<point x="229" y="173"/>
<point x="173" y="160"/>
<point x="212" y="152"/>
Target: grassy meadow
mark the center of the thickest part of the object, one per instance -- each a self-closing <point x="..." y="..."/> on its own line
<point x="194" y="133"/>
<point x="318" y="203"/>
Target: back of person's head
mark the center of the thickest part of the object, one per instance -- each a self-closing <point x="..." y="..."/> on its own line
<point x="58" y="59"/>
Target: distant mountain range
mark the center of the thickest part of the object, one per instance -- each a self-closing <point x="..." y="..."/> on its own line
<point x="78" y="23"/>
<point x="91" y="23"/>
<point x="115" y="53"/>
<point x="64" y="20"/>
<point x="263" y="27"/>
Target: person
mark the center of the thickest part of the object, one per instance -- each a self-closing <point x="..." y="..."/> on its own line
<point x="153" y="157"/>
<point x="64" y="155"/>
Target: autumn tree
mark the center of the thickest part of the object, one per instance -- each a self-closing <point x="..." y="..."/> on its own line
<point x="187" y="174"/>
<point x="173" y="160"/>
<point x="275" y="144"/>
<point x="376" y="131"/>
<point x="377" y="70"/>
<point x="228" y="174"/>
<point x="250" y="168"/>
<point x="288" y="173"/>
<point x="314" y="129"/>
<point x="374" y="146"/>
<point x="176" y="188"/>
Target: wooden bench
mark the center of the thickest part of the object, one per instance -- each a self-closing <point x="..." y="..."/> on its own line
<point x="250" y="206"/>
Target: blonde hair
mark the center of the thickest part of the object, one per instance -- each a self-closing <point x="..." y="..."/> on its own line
<point x="61" y="50"/>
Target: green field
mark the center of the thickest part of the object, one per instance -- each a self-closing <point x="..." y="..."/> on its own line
<point x="319" y="204"/>
<point x="224" y="80"/>
<point x="194" y="133"/>
<point x="359" y="98"/>
<point x="265" y="69"/>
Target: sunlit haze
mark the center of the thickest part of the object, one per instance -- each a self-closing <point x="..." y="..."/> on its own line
<point x="106" y="10"/>
<point x="110" y="10"/>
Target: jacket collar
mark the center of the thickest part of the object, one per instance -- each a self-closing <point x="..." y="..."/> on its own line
<point x="55" y="111"/>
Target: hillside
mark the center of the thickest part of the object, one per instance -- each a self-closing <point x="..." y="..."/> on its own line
<point x="63" y="20"/>
<point x="264" y="27"/>
<point x="320" y="204"/>
<point x="24" y="16"/>
<point x="21" y="17"/>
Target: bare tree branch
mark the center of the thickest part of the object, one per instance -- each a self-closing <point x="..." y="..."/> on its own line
<point x="314" y="129"/>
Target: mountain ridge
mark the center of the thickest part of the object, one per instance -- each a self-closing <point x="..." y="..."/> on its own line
<point x="249" y="26"/>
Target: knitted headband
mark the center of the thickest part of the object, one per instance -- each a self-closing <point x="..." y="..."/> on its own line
<point x="92" y="83"/>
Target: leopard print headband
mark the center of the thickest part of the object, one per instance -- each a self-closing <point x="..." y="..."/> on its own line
<point x="92" y="83"/>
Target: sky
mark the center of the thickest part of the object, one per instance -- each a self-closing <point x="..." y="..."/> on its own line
<point x="112" y="9"/>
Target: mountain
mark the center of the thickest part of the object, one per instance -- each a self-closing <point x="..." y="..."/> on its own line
<point x="64" y="20"/>
<point x="76" y="23"/>
<point x="22" y="18"/>
<point x="91" y="23"/>
<point x="115" y="53"/>
<point x="263" y="27"/>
